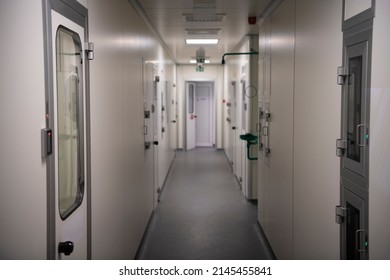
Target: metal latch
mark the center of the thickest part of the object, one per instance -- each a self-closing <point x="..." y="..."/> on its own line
<point x="341" y="145"/>
<point x="89" y="50"/>
<point x="46" y="142"/>
<point x="341" y="213"/>
<point x="342" y="73"/>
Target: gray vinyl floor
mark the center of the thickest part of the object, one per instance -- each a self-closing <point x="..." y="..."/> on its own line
<point x="202" y="214"/>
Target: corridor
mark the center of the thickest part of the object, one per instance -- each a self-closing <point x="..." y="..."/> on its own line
<point x="202" y="213"/>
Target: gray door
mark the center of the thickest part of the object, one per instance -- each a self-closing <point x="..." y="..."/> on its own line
<point x="65" y="140"/>
<point x="353" y="148"/>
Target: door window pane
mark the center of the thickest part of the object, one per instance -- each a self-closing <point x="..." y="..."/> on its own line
<point x="354" y="111"/>
<point x="353" y="225"/>
<point x="191" y="98"/>
<point x="69" y="121"/>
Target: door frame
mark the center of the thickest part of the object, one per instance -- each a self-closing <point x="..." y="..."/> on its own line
<point x="76" y="12"/>
<point x="213" y="113"/>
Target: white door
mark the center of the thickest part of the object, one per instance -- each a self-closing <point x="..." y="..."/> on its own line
<point x="203" y="123"/>
<point x="148" y="87"/>
<point x="156" y="129"/>
<point x="190" y="116"/>
<point x="69" y="137"/>
<point x="233" y="124"/>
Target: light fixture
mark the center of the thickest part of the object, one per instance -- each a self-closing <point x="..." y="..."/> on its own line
<point x="194" y="61"/>
<point x="202" y="41"/>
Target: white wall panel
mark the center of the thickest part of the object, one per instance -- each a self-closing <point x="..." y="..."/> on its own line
<point x="107" y="130"/>
<point x="316" y="127"/>
<point x="278" y="175"/>
<point x="379" y="185"/>
<point x="22" y="115"/>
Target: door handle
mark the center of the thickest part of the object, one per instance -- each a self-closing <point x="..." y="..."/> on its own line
<point x="359" y="239"/>
<point x="359" y="135"/>
<point x="233" y="127"/>
<point x="155" y="143"/>
<point x="65" y="248"/>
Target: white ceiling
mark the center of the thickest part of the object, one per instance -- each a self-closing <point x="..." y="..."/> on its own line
<point x="167" y="18"/>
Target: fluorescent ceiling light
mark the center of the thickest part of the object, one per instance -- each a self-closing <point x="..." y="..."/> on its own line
<point x="202" y="41"/>
<point x="193" y="61"/>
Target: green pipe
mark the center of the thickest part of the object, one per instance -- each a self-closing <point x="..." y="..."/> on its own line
<point x="250" y="140"/>
<point x="252" y="52"/>
<point x="248" y="148"/>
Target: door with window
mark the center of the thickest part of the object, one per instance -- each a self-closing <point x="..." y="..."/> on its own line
<point x="353" y="147"/>
<point x="69" y="136"/>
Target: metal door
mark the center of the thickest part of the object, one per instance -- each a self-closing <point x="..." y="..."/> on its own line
<point x="69" y="131"/>
<point x="190" y="115"/>
<point x="353" y="147"/>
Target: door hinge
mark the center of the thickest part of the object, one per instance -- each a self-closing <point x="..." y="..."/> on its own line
<point x="156" y="79"/>
<point x="147" y="114"/>
<point x="341" y="213"/>
<point x="89" y="50"/>
<point x="261" y="115"/>
<point x="342" y="74"/>
<point x="341" y="145"/>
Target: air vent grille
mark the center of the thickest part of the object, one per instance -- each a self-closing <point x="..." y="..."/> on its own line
<point x="190" y="18"/>
<point x="203" y="32"/>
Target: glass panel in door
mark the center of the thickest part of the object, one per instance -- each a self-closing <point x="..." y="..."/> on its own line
<point x="69" y="121"/>
<point x="355" y="109"/>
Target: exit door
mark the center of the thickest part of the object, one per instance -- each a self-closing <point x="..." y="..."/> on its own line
<point x="64" y="140"/>
<point x="203" y="120"/>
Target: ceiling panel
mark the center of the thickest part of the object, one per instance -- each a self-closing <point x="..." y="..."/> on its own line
<point x="168" y="20"/>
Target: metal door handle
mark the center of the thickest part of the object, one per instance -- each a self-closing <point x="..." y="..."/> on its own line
<point x="359" y="136"/>
<point x="155" y="143"/>
<point x="358" y="239"/>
